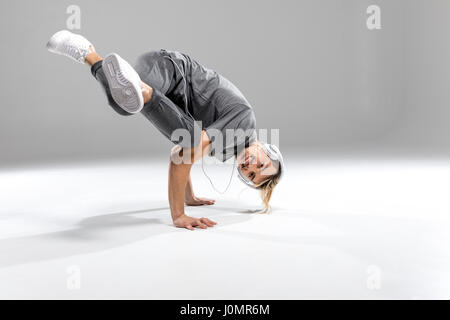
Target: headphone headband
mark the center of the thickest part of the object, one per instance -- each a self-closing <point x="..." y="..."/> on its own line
<point x="274" y="154"/>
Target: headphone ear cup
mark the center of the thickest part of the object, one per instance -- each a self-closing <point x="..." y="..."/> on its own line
<point x="279" y="158"/>
<point x="268" y="149"/>
<point x="244" y="179"/>
<point x="275" y="150"/>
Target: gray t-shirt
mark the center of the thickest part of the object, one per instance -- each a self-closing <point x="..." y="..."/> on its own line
<point x="225" y="113"/>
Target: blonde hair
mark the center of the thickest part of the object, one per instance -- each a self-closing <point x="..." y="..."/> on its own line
<point x="267" y="188"/>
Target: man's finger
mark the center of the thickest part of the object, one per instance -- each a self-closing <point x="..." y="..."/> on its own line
<point x="200" y="224"/>
<point x="190" y="227"/>
<point x="208" y="222"/>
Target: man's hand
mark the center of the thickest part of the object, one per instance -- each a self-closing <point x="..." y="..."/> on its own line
<point x="190" y="223"/>
<point x="196" y="201"/>
<point x="180" y="186"/>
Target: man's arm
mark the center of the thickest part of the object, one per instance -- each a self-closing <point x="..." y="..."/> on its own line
<point x="179" y="172"/>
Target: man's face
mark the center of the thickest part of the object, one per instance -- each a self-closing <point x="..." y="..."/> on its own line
<point x="255" y="164"/>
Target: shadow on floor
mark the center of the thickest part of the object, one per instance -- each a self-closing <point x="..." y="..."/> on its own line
<point x="98" y="233"/>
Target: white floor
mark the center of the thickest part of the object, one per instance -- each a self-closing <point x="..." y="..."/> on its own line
<point x="340" y="229"/>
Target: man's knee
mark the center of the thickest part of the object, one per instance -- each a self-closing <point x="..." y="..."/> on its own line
<point x="116" y="107"/>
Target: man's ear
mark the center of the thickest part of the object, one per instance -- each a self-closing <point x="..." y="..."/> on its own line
<point x="206" y="143"/>
<point x="202" y="148"/>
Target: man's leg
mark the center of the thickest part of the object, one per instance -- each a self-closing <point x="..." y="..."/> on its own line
<point x="120" y="81"/>
<point x="94" y="57"/>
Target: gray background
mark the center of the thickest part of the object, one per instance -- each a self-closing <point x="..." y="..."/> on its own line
<point x="310" y="68"/>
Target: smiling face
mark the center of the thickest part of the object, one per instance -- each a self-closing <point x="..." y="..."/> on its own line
<point x="256" y="165"/>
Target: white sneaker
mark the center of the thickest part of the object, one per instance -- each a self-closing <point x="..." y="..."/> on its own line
<point x="124" y="83"/>
<point x="71" y="45"/>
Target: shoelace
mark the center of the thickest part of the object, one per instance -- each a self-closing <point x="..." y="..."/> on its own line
<point x="190" y="115"/>
<point x="74" y="52"/>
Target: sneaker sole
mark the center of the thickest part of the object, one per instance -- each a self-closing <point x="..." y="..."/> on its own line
<point x="126" y="93"/>
<point x="59" y="38"/>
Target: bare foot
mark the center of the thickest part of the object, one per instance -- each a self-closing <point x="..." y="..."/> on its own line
<point x="92" y="57"/>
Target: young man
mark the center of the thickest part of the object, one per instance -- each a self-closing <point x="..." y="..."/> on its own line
<point x="195" y="107"/>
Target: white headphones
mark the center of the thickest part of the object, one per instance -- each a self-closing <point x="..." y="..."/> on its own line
<point x="274" y="154"/>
